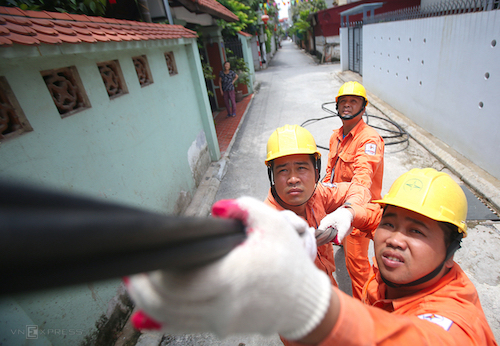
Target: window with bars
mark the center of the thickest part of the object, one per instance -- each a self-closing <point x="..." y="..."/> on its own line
<point x="12" y="119"/>
<point x="142" y="69"/>
<point x="67" y="90"/>
<point x="170" y="59"/>
<point x="112" y="77"/>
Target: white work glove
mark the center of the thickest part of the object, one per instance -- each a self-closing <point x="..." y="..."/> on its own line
<point x="307" y="234"/>
<point x="265" y="285"/>
<point x="334" y="227"/>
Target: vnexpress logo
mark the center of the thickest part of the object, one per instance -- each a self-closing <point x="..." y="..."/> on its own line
<point x="31" y="332"/>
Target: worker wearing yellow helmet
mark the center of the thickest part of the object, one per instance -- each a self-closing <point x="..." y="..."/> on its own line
<point x="430" y="194"/>
<point x="294" y="164"/>
<point x="356" y="155"/>
<point x="416" y="295"/>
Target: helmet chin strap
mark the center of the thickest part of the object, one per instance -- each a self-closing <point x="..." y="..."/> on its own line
<point x="349" y="117"/>
<point x="454" y="246"/>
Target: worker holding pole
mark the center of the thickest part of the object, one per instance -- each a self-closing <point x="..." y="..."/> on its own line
<point x="294" y="164"/>
<point x="415" y="295"/>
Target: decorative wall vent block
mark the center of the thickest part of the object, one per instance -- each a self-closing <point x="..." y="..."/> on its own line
<point x="142" y="69"/>
<point x="67" y="90"/>
<point x="112" y="77"/>
<point x="172" y="67"/>
<point x="12" y="119"/>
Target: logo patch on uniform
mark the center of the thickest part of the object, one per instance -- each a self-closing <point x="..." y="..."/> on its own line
<point x="331" y="185"/>
<point x="441" y="321"/>
<point x="371" y="148"/>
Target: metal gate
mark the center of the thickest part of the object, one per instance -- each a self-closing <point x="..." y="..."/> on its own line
<point x="209" y="83"/>
<point x="234" y="44"/>
<point x="356" y="49"/>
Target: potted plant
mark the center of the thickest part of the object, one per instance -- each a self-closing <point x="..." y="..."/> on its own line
<point x="240" y="67"/>
<point x="241" y="85"/>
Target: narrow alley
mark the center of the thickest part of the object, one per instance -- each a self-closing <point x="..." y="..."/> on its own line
<point x="292" y="91"/>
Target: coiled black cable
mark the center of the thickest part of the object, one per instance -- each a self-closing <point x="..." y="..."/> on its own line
<point x="394" y="134"/>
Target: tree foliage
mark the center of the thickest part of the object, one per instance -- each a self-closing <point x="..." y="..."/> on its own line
<point x="247" y="11"/>
<point x="300" y="13"/>
<point x="301" y="24"/>
<point x="244" y="12"/>
<point x="311" y="6"/>
<point x="269" y="36"/>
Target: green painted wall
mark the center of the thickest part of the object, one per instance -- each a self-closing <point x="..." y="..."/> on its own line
<point x="132" y="149"/>
<point x="247" y="54"/>
<point x="143" y="149"/>
<point x="64" y="316"/>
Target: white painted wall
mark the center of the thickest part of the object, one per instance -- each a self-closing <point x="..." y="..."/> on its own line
<point x="344" y="49"/>
<point x="444" y="74"/>
<point x="255" y="53"/>
<point x="328" y="45"/>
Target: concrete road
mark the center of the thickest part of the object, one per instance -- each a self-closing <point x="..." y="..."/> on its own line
<point x="292" y="91"/>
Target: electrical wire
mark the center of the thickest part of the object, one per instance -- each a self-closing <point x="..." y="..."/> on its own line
<point x="393" y="135"/>
<point x="50" y="239"/>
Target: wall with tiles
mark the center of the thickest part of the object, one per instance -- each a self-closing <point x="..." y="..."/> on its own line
<point x="145" y="148"/>
<point x="443" y="74"/>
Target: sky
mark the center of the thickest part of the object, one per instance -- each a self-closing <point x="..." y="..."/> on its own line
<point x="283" y="11"/>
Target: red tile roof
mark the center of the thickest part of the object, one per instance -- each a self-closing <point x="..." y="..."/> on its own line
<point x="246" y="34"/>
<point x="215" y="6"/>
<point x="212" y="7"/>
<point x="33" y="28"/>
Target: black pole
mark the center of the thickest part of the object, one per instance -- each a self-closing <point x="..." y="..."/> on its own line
<point x="50" y="239"/>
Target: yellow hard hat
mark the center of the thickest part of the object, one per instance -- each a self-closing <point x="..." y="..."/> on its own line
<point x="352" y="89"/>
<point x="430" y="193"/>
<point x="290" y="140"/>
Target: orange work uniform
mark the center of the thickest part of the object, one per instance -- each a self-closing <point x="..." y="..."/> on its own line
<point x="325" y="200"/>
<point x="357" y="158"/>
<point x="446" y="313"/>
